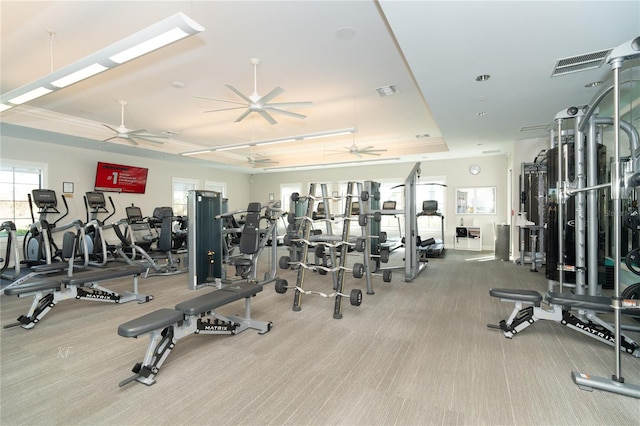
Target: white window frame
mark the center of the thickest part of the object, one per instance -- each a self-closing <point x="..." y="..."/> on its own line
<point x="476" y="200"/>
<point x="220" y="187"/>
<point x="23" y="221"/>
<point x="180" y="209"/>
<point x="286" y="189"/>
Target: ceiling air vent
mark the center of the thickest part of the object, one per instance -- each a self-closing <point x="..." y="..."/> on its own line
<point x="387" y="90"/>
<point x="578" y="63"/>
<point x="535" y="128"/>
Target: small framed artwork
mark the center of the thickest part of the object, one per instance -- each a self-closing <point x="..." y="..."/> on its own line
<point x="272" y="196"/>
<point x="67" y="187"/>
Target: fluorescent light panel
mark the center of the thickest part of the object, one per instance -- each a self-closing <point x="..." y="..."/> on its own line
<point x="30" y="95"/>
<point x="74" y="77"/>
<point x="165" y="32"/>
<point x="229" y="148"/>
<point x="202" y="151"/>
<point x="149" y="46"/>
<point x="275" y="141"/>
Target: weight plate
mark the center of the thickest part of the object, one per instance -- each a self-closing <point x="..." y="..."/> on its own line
<point x="355" y="298"/>
<point x="281" y="286"/>
<point x="284" y="262"/>
<point x="632" y="260"/>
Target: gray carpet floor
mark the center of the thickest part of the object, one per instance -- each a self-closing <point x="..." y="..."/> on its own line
<point x="414" y="353"/>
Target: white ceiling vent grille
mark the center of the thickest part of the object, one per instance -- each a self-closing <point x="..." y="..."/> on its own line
<point x="387" y="90"/>
<point x="578" y="63"/>
<point x="534" y="128"/>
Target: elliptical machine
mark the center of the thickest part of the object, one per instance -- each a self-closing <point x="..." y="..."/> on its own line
<point x="38" y="244"/>
<point x="95" y="203"/>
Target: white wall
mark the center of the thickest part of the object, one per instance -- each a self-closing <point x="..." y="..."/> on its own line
<point x="494" y="172"/>
<point x="69" y="164"/>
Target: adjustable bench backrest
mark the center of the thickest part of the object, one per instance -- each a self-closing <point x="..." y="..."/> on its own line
<point x="163" y="217"/>
<point x="250" y="237"/>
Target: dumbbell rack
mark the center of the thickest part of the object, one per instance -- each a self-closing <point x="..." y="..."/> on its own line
<point x="304" y="233"/>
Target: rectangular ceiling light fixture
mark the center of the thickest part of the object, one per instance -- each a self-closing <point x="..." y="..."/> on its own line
<point x="275" y="141"/>
<point x="161" y="34"/>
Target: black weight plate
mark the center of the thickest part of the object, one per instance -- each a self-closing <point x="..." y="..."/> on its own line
<point x="632" y="260"/>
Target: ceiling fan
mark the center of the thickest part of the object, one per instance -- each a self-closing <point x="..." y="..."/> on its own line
<point x="131" y="135"/>
<point x="367" y="150"/>
<point x="253" y="161"/>
<point x="257" y="103"/>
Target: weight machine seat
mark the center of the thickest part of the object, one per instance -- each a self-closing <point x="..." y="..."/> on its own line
<point x="32" y="287"/>
<point x="152" y="321"/>
<point x="581" y="301"/>
<point x="208" y="302"/>
<point x="530" y="296"/>
<point x="104" y="274"/>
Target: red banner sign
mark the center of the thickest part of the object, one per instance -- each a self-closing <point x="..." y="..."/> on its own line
<point x="118" y="178"/>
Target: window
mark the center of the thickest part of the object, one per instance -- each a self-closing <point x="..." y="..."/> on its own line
<point x="17" y="180"/>
<point x="219" y="187"/>
<point x="286" y="189"/>
<point x="181" y="188"/>
<point x="476" y="200"/>
<point x="431" y="188"/>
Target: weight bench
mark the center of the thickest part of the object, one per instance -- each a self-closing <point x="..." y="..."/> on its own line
<point x="85" y="285"/>
<point x="528" y="310"/>
<point x="166" y="326"/>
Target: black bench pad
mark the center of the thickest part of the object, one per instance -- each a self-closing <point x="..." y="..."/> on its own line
<point x="576" y="301"/>
<point x="152" y="321"/>
<point x="530" y="296"/>
<point x="51" y="267"/>
<point x="207" y="302"/>
<point x="103" y="275"/>
<point x="244" y="290"/>
<point x="31" y="287"/>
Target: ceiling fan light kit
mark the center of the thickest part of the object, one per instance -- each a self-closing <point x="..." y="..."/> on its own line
<point x="163" y="33"/>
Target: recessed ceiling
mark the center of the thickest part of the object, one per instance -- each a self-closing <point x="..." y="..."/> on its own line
<point x="335" y="54"/>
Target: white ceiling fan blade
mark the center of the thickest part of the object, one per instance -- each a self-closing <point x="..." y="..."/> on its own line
<point x="226" y="109"/>
<point x="243" y="115"/>
<point x="272" y="94"/>
<point x="239" y="93"/>
<point x="369" y="153"/>
<point x="136" y="132"/>
<point x="147" y="138"/>
<point x="282" y="104"/>
<point x="142" y="133"/>
<point x="110" y="139"/>
<point x="219" y="100"/>
<point x="289" y="113"/>
<point x="111" y="128"/>
<point x="267" y="117"/>
<point x="129" y="139"/>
